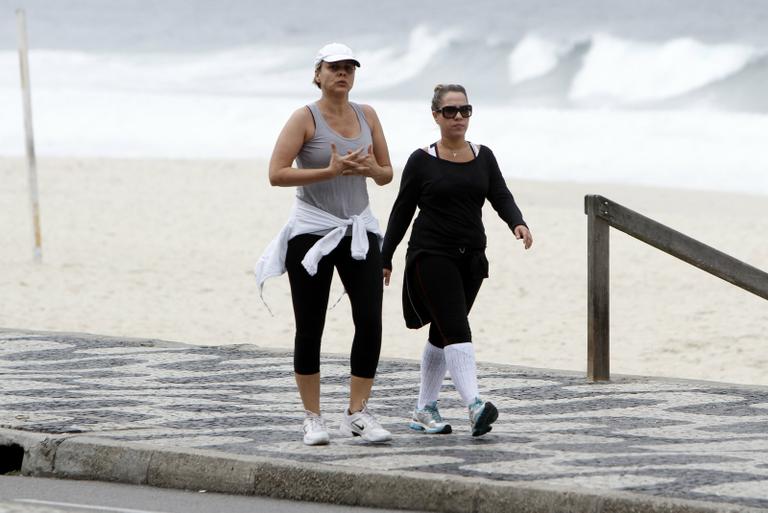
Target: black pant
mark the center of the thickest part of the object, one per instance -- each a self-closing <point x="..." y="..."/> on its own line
<point x="447" y="286"/>
<point x="362" y="280"/>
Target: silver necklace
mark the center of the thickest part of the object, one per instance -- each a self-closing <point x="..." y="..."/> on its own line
<point x="454" y="153"/>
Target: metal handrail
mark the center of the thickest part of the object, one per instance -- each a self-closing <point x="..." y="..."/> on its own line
<point x="603" y="214"/>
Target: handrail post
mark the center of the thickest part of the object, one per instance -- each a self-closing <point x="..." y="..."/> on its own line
<point x="598" y="340"/>
<point x="603" y="214"/>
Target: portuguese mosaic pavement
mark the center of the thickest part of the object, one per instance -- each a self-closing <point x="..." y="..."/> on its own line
<point x="674" y="439"/>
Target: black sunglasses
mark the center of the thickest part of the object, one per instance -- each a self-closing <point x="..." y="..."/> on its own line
<point x="450" y="111"/>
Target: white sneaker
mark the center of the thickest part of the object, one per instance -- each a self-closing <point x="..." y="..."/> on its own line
<point x="428" y="420"/>
<point x="315" y="432"/>
<point x="364" y="425"/>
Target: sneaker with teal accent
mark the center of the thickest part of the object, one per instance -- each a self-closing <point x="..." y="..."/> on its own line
<point x="481" y="416"/>
<point x="428" y="420"/>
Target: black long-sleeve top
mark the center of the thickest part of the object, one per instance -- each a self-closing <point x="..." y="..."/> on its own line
<point x="450" y="197"/>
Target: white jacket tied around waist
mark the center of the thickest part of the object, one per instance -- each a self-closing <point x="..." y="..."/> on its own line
<point x="308" y="219"/>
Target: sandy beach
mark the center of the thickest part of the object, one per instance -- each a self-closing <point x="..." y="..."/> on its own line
<point x="165" y="249"/>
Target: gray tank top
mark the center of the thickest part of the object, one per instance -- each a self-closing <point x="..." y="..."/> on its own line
<point x="343" y="196"/>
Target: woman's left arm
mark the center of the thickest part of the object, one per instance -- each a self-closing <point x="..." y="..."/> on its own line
<point x="503" y="202"/>
<point x="378" y="153"/>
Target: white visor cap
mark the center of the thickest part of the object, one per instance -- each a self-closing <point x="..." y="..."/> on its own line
<point x="335" y="52"/>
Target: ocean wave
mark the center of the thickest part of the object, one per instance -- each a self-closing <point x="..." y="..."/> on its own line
<point x="595" y="71"/>
<point x="741" y="91"/>
<point x="533" y="57"/>
<point x="688" y="149"/>
<point x="265" y="70"/>
<point x="618" y="71"/>
<point x="389" y="66"/>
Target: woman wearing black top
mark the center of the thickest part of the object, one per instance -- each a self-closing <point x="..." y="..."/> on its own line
<point x="445" y="262"/>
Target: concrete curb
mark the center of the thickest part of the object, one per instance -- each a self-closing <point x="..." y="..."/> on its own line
<point x="92" y="458"/>
<point x="39" y="450"/>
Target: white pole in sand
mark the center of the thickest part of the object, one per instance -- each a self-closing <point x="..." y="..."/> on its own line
<point x="31" y="161"/>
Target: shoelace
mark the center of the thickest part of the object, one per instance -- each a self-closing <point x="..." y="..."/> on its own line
<point x="369" y="418"/>
<point x="475" y="408"/>
<point x="316" y="422"/>
<point x="432" y="409"/>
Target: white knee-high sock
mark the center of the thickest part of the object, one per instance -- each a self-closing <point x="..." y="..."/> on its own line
<point x="432" y="374"/>
<point x="460" y="359"/>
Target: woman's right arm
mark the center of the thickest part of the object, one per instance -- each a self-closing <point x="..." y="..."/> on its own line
<point x="296" y="131"/>
<point x="402" y="210"/>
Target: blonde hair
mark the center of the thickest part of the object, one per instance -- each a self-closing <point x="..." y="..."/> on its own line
<point x="441" y="90"/>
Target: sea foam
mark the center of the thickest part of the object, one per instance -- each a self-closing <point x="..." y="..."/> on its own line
<point x="550" y="109"/>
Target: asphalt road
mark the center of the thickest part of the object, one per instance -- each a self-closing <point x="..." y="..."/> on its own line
<point x="96" y="497"/>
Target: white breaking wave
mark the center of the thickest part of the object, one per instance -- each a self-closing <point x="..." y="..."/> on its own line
<point x="703" y="150"/>
<point x="239" y="70"/>
<point x="387" y="67"/>
<point x="267" y="70"/>
<point x="618" y="71"/>
<point x="533" y="57"/>
<point x="232" y="104"/>
<point x="604" y="71"/>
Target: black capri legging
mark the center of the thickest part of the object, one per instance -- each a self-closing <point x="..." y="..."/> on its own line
<point x="362" y="280"/>
<point x="447" y="286"/>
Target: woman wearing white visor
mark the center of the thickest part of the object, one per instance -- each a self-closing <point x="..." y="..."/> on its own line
<point x="337" y="145"/>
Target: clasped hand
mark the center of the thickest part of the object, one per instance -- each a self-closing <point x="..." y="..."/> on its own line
<point x="354" y="163"/>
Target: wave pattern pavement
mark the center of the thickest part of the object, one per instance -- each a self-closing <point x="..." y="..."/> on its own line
<point x="699" y="441"/>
